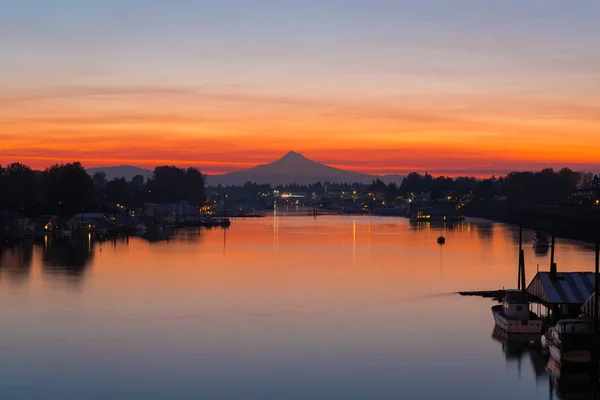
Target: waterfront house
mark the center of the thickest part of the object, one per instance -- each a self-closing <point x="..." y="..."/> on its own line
<point x="585" y="197"/>
<point x="89" y="221"/>
<point x="564" y="293"/>
<point x="161" y="213"/>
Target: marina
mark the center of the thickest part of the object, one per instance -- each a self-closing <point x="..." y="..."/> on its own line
<point x="567" y="314"/>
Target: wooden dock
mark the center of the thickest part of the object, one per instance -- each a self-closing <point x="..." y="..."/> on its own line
<point x="494" y="294"/>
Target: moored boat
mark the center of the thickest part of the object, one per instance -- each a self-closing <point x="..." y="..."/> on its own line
<point x="570" y="341"/>
<point x="514" y="316"/>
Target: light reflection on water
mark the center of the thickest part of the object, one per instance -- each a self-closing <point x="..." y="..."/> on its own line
<point x="287" y="307"/>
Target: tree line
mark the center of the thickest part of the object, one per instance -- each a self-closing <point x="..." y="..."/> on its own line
<point x="66" y="189"/>
<point x="546" y="187"/>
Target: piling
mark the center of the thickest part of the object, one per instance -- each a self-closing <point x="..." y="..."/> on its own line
<point x="519" y="286"/>
<point x="553" y="270"/>
<point x="596" y="285"/>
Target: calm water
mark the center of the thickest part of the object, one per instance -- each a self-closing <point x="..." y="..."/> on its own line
<point x="286" y="308"/>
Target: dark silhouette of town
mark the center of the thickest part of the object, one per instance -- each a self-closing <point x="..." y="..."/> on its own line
<point x="565" y="202"/>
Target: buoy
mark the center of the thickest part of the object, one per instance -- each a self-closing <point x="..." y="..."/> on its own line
<point x="441" y="240"/>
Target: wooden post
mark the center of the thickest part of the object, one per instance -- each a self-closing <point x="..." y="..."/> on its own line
<point x="552" y="250"/>
<point x="596" y="286"/>
<point x="522" y="268"/>
<point x="519" y="287"/>
<point x="553" y="270"/>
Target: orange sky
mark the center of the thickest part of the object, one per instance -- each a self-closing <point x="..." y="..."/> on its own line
<point x="384" y="88"/>
<point x="224" y="130"/>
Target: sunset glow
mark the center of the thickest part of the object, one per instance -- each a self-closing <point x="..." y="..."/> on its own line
<point x="383" y="88"/>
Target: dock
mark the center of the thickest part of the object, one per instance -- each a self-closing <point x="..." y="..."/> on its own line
<point x="493" y="294"/>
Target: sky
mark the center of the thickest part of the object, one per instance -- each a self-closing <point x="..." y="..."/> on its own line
<point x="450" y="87"/>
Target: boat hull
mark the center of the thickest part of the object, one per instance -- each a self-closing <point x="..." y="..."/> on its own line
<point x="513" y="325"/>
<point x="569" y="357"/>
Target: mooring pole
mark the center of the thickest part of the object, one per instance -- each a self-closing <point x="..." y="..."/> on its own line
<point x="596" y="286"/>
<point x="552" y="251"/>
<point x="553" y="270"/>
<point x="520" y="256"/>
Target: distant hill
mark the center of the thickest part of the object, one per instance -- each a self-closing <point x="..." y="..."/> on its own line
<point x="121" y="171"/>
<point x="295" y="168"/>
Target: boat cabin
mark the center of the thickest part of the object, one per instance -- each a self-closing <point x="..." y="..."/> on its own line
<point x="574" y="326"/>
<point x="516" y="304"/>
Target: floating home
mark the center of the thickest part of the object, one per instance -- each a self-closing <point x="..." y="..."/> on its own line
<point x="561" y="294"/>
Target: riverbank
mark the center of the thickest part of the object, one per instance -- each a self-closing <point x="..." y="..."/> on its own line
<point x="569" y="222"/>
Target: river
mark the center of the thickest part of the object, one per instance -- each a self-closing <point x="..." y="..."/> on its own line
<point x="280" y="307"/>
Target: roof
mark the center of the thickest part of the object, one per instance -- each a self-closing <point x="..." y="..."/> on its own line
<point x="566" y="288"/>
<point x="572" y="321"/>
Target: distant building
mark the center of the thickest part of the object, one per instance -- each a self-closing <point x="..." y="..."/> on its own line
<point x="88" y="221"/>
<point x="172" y="213"/>
<point x="585" y="197"/>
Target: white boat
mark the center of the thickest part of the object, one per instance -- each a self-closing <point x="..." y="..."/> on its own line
<point x="570" y="341"/>
<point x="540" y="240"/>
<point x="513" y="315"/>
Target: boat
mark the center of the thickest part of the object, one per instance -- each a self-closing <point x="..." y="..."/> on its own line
<point x="514" y="316"/>
<point x="570" y="341"/>
<point x="540" y="240"/>
<point x="441" y="240"/>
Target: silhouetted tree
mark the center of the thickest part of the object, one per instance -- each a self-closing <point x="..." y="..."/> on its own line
<point x="68" y="188"/>
<point x="119" y="191"/>
<point x="485" y="190"/>
<point x="99" y="179"/>
<point x="2" y="187"/>
<point x="138" y="181"/>
<point x="391" y="192"/>
<point x="194" y="186"/>
<point x="378" y="186"/>
<point x="412" y="183"/>
<point x="20" y="188"/>
<point x="168" y="184"/>
<point x="172" y="184"/>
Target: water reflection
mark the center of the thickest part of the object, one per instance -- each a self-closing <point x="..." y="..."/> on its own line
<point x="541" y="251"/>
<point x="157" y="234"/>
<point x="517" y="346"/>
<point x="572" y="382"/>
<point x="16" y="260"/>
<point x="346" y="307"/>
<point x="485" y="230"/>
<point x="436" y="225"/>
<point x="68" y="256"/>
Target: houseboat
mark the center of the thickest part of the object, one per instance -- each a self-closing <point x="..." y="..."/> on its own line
<point x="570" y="341"/>
<point x="514" y="316"/>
